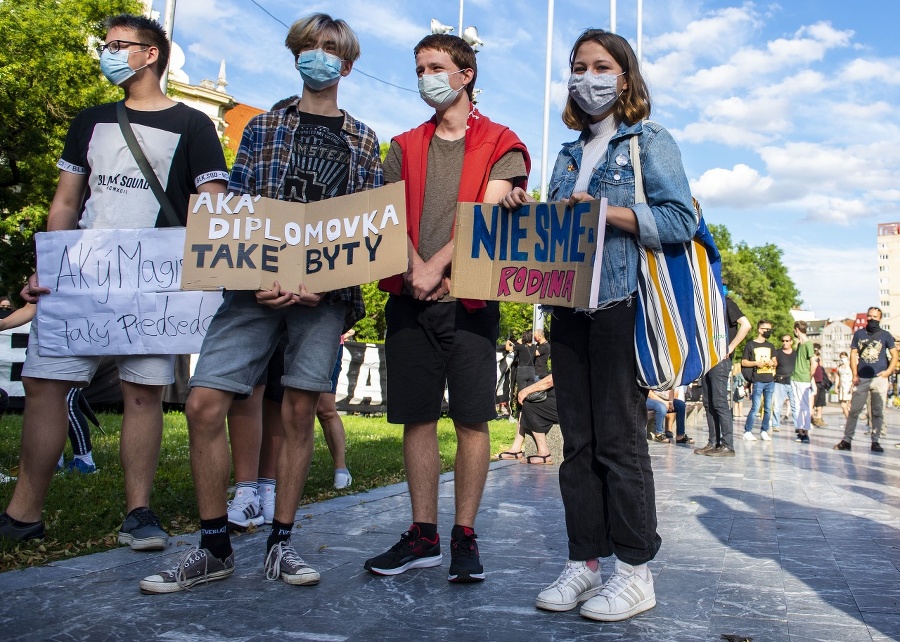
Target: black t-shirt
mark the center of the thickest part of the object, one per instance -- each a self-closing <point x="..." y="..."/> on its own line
<point x="524" y="356"/>
<point x="541" y="360"/>
<point x="319" y="166"/>
<point x="785" y="367"/>
<point x="763" y="351"/>
<point x="180" y="143"/>
<point x="873" y="351"/>
<point x="733" y="312"/>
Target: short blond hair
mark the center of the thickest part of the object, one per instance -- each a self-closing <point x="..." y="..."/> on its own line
<point x="304" y="34"/>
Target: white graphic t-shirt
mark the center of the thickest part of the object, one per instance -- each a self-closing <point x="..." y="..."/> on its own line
<point x="179" y="142"/>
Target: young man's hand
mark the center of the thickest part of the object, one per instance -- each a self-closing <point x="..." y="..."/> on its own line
<point x="32" y="291"/>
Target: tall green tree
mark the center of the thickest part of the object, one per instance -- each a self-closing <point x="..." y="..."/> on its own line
<point x="758" y="280"/>
<point x="47" y="75"/>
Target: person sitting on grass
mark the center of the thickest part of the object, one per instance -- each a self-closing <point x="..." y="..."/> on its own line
<point x="536" y="420"/>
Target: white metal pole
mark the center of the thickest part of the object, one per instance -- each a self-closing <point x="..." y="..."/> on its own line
<point x="548" y="73"/>
<point x="612" y="15"/>
<point x="460" y="32"/>
<point x="168" y="25"/>
<point x="537" y="319"/>
<point x="640" y="28"/>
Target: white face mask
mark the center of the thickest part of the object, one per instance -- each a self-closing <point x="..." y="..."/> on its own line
<point x="594" y="93"/>
<point x="435" y="89"/>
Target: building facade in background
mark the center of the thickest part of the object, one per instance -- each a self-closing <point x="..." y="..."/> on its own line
<point x="889" y="275"/>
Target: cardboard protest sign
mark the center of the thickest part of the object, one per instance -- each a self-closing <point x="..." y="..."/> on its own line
<point x="540" y="253"/>
<point x="241" y="242"/>
<point x="118" y="292"/>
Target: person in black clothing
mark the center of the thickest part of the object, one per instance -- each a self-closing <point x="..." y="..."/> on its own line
<point x="524" y="361"/>
<point x="715" y="388"/>
<point x="541" y="355"/>
<point x="783" y="390"/>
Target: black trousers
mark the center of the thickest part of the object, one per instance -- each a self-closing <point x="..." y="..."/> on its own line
<point x="715" y="401"/>
<point x="605" y="478"/>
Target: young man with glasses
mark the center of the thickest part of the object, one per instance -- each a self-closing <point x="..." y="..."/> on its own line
<point x="101" y="186"/>
<point x="786" y="358"/>
<point x="759" y="354"/>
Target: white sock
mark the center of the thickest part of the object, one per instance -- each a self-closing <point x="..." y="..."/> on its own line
<point x="87" y="458"/>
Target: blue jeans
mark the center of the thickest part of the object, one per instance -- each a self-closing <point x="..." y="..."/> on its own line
<point x="660" y="409"/>
<point x="784" y="391"/>
<point x="764" y="391"/>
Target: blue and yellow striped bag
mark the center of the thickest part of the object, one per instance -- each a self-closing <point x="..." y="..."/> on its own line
<point x="680" y="330"/>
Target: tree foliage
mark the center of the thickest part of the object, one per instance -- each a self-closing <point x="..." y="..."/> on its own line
<point x="47" y="75"/>
<point x="758" y="281"/>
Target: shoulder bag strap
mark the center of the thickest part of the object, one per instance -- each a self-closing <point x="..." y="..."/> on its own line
<point x="635" y="150"/>
<point x="144" y="164"/>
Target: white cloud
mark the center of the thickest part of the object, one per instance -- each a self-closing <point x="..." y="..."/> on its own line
<point x="841" y="211"/>
<point x="836" y="282"/>
<point x="740" y="187"/>
<point x="863" y="71"/>
<point x="725" y="134"/>
<point x="858" y="112"/>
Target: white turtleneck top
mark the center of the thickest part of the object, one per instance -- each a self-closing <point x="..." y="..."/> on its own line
<point x="594" y="149"/>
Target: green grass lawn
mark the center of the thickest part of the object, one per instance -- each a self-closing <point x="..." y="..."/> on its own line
<point x="83" y="513"/>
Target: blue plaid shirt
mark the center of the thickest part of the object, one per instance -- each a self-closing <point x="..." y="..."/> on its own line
<point x="262" y="164"/>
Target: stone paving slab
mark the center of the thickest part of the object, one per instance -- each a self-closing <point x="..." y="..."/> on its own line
<point x="783" y="542"/>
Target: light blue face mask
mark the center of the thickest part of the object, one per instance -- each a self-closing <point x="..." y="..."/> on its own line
<point x="319" y="69"/>
<point x="115" y="66"/>
<point x="435" y="89"/>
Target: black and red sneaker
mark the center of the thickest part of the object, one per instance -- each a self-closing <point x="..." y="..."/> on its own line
<point x="412" y="551"/>
<point x="465" y="565"/>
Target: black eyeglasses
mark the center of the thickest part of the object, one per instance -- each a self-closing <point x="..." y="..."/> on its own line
<point x="115" y="46"/>
<point x="783" y="340"/>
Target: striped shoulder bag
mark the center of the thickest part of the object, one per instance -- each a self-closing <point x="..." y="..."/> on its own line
<point x="680" y="330"/>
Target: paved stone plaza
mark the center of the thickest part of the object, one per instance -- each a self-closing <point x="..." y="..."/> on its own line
<point x="783" y="542"/>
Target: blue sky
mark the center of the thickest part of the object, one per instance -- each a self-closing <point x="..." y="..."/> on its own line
<point x="785" y="113"/>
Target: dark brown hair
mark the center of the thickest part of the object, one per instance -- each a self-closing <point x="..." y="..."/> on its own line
<point x="148" y="31"/>
<point x="462" y="55"/>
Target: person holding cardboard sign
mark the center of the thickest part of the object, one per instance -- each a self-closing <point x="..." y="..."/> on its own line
<point x="434" y="341"/>
<point x="605" y="478"/>
<point x="102" y="184"/>
<point x="309" y="151"/>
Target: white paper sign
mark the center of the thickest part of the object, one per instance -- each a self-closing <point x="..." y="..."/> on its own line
<point x="118" y="292"/>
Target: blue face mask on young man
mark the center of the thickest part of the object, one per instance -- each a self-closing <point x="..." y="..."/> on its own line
<point x="435" y="89"/>
<point x="115" y="66"/>
<point x="319" y="69"/>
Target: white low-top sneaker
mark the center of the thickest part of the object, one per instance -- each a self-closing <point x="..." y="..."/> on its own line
<point x="244" y="510"/>
<point x="575" y="584"/>
<point x="749" y="436"/>
<point x="628" y="592"/>
<point x="342" y="479"/>
<point x="764" y="435"/>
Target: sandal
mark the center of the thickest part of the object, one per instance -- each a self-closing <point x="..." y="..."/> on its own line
<point x="684" y="439"/>
<point x="544" y="459"/>
<point x="508" y="454"/>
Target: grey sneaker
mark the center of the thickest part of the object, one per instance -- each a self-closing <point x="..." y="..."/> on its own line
<point x="143" y="531"/>
<point x="283" y="561"/>
<point x="11" y="532"/>
<point x="196" y="565"/>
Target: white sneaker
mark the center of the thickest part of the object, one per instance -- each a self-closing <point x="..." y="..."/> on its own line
<point x="575" y="584"/>
<point x="342" y="479"/>
<point x="267" y="503"/>
<point x="243" y="510"/>
<point x="628" y="592"/>
<point x="749" y="436"/>
<point x="764" y="435"/>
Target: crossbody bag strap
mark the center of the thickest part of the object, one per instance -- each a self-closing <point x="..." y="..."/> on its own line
<point x="639" y="196"/>
<point x="146" y="169"/>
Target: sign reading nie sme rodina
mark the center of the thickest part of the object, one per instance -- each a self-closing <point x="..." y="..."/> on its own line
<point x="539" y="253"/>
<point x="241" y="242"/>
<point x="118" y="292"/>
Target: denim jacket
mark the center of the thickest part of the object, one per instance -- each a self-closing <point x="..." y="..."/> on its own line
<point x="667" y="217"/>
